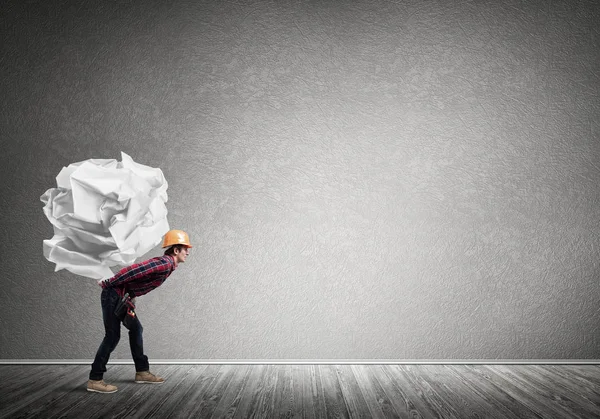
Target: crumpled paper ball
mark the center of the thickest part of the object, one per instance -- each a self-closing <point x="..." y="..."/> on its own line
<point x="105" y="213"/>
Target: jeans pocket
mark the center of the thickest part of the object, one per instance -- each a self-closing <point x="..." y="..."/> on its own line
<point x="104" y="297"/>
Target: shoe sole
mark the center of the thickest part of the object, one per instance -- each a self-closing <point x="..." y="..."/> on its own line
<point x="99" y="391"/>
<point x="149" y="382"/>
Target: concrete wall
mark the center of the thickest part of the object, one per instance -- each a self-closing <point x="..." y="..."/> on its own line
<point x="361" y="179"/>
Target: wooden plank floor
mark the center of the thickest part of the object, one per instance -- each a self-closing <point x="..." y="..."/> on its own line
<point x="307" y="391"/>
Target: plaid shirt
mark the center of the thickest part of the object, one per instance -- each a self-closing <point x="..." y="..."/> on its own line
<point x="141" y="278"/>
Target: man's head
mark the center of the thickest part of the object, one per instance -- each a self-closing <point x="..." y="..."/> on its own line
<point x="179" y="252"/>
<point x="178" y="244"/>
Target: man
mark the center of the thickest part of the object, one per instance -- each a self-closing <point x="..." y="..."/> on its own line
<point x="136" y="280"/>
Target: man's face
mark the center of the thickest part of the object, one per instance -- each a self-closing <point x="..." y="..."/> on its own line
<point x="180" y="255"/>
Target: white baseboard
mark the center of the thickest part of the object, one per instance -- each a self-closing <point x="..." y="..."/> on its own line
<point x="307" y="362"/>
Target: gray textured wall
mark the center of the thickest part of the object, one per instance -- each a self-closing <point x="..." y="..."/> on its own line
<point x="361" y="180"/>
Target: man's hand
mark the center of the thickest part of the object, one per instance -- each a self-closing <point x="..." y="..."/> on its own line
<point x="130" y="304"/>
<point x="130" y="307"/>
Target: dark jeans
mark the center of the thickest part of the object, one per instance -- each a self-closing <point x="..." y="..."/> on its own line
<point x="112" y="327"/>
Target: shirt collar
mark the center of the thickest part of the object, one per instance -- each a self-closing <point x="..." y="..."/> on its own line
<point x="173" y="262"/>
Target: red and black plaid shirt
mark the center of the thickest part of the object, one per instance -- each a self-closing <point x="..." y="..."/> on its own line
<point x="141" y="278"/>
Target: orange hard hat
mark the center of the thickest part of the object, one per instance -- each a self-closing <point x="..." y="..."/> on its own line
<point x="174" y="237"/>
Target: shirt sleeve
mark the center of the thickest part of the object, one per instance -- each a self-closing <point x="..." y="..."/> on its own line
<point x="141" y="270"/>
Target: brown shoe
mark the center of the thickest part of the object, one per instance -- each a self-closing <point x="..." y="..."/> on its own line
<point x="99" y="386"/>
<point x="148" y="377"/>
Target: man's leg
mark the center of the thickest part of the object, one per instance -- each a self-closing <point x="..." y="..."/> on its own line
<point x="136" y="343"/>
<point x="112" y="328"/>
